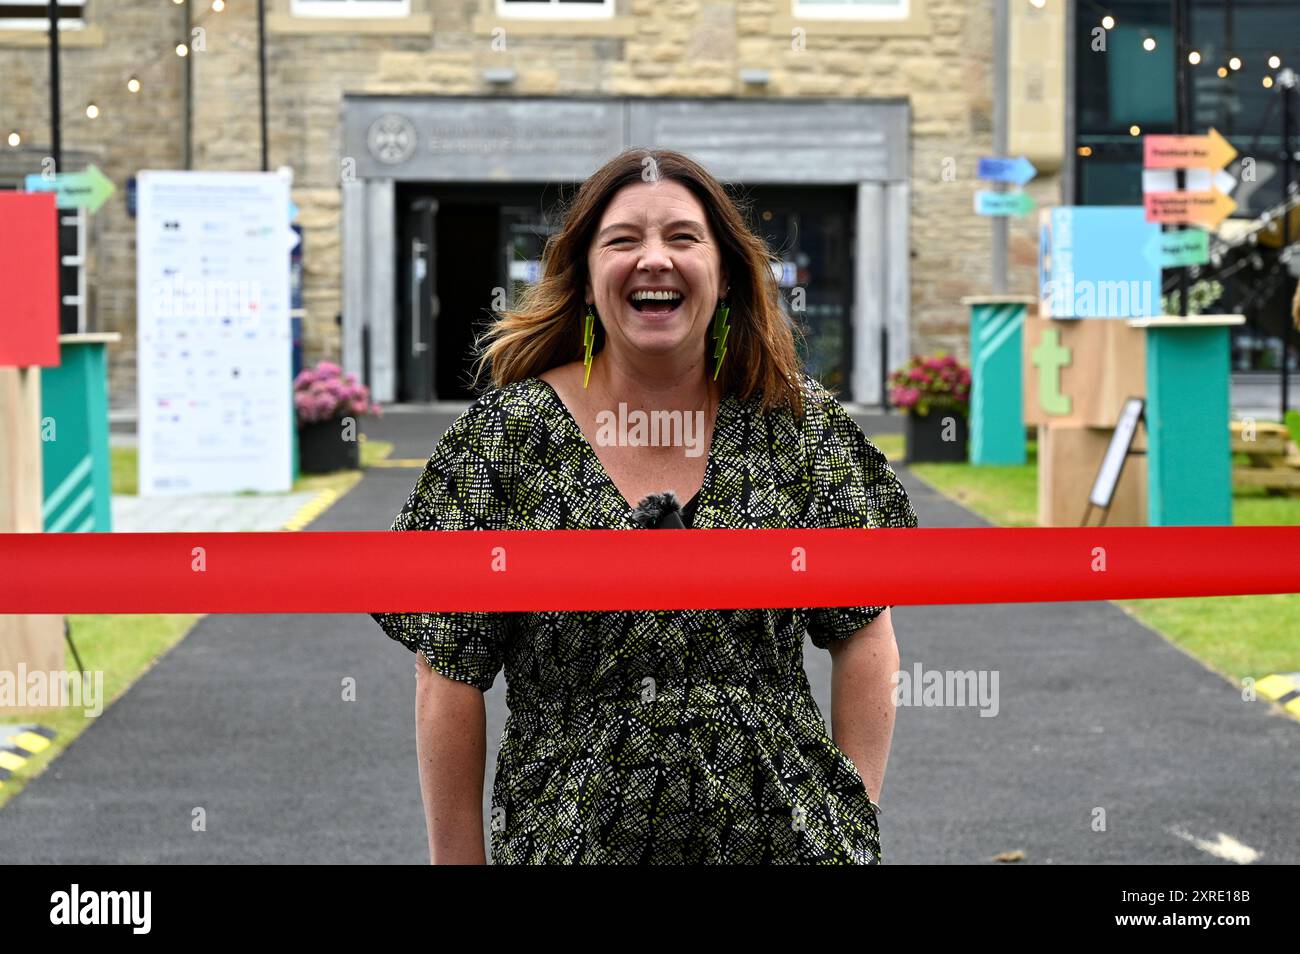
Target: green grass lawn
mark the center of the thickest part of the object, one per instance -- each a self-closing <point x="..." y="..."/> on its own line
<point x="1237" y="636"/>
<point x="121" y="647"/>
<point x="1006" y="494"/>
<point x="124" y="647"/>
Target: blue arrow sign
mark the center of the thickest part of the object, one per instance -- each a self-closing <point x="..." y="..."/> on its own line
<point x="1003" y="203"/>
<point x="87" y="189"/>
<point x="996" y="169"/>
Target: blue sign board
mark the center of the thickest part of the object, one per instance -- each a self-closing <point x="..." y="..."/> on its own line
<point x="1093" y="263"/>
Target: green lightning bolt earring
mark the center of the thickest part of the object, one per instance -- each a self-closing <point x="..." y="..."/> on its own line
<point x="588" y="338"/>
<point x="720" y="330"/>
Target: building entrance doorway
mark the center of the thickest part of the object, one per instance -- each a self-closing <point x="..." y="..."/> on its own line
<point x="810" y="231"/>
<point x="464" y="252"/>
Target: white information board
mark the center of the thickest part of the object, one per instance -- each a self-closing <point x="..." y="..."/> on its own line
<point x="214" y="350"/>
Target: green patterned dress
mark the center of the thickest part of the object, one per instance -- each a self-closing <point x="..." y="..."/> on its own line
<point x="656" y="737"/>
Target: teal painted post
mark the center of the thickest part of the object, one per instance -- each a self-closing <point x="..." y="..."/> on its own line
<point x="77" y="473"/>
<point x="1189" y="460"/>
<point x="997" y="414"/>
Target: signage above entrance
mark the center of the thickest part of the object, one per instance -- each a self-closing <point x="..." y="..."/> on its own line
<point x="464" y="177"/>
<point x="468" y="139"/>
<point x="550" y="139"/>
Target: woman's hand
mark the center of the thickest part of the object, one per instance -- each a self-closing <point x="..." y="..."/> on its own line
<point x="862" y="707"/>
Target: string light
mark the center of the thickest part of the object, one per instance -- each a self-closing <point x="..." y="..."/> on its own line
<point x="1039" y="4"/>
<point x="1268" y="82"/>
<point x="1135" y="130"/>
<point x="1274" y="61"/>
<point x="1194" y="57"/>
<point x="133" y="83"/>
<point x="1108" y="22"/>
<point x="1222" y="71"/>
<point x="1085" y="151"/>
<point x="1234" y="63"/>
<point x="15" y="139"/>
<point x="1149" y="44"/>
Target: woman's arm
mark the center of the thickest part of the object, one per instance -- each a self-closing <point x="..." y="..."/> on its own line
<point x="451" y="745"/>
<point x="862" y="707"/>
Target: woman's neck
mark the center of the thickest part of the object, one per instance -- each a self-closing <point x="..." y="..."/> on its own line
<point x="652" y="388"/>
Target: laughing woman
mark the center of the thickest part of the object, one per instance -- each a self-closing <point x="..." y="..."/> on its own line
<point x="726" y="759"/>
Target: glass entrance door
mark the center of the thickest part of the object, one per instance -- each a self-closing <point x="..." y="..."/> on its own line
<point x="469" y="251"/>
<point x="524" y="231"/>
<point x="419" y="314"/>
<point x="810" y="231"/>
<point x="464" y="252"/>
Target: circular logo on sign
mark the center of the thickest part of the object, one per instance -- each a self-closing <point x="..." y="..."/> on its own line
<point x="391" y="139"/>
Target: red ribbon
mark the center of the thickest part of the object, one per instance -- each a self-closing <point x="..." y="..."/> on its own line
<point x="425" y="571"/>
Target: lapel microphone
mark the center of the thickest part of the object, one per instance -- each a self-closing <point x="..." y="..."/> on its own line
<point x="659" y="512"/>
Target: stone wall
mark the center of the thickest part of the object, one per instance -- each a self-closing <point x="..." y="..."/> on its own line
<point x="656" y="48"/>
<point x="133" y="131"/>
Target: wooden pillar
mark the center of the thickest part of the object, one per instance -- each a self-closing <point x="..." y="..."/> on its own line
<point x="27" y="642"/>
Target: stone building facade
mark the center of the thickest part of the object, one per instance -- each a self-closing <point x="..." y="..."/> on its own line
<point x="932" y="67"/>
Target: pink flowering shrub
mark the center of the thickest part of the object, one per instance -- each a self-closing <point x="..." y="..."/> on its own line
<point x="938" y="381"/>
<point x="324" y="393"/>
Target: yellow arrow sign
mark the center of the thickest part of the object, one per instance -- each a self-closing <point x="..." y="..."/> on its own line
<point x="1190" y="208"/>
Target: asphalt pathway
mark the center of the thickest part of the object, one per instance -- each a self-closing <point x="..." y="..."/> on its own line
<point x="1099" y="720"/>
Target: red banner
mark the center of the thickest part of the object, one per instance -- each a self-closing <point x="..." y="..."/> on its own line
<point x="425" y="571"/>
<point x="29" y="280"/>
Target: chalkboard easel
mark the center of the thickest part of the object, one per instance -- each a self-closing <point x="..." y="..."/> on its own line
<point x="1112" y="463"/>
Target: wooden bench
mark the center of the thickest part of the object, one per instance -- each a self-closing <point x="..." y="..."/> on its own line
<point x="1274" y="458"/>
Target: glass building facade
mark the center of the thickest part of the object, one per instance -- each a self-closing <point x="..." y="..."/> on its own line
<point x="1125" y="88"/>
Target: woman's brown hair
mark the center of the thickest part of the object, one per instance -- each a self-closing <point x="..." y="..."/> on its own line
<point x="545" y="330"/>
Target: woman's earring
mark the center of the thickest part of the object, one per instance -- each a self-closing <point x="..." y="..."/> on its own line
<point x="588" y="337"/>
<point x="720" y="329"/>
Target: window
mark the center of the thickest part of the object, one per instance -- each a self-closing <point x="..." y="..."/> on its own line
<point x="351" y="8"/>
<point x="557" y="9"/>
<point x="35" y="15"/>
<point x="853" y="9"/>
